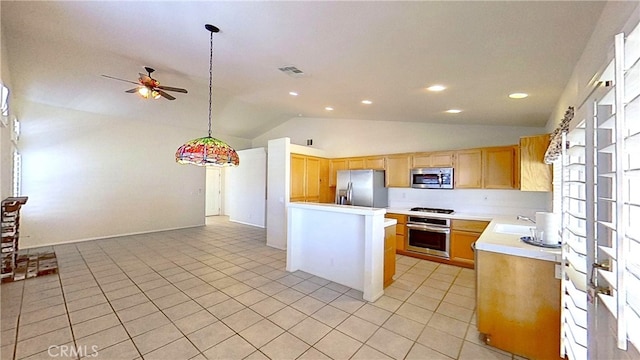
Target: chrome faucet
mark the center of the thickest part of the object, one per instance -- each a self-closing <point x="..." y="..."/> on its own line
<point x="526" y="218"/>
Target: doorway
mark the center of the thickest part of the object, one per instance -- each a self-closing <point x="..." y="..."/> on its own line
<point x="213" y="193"/>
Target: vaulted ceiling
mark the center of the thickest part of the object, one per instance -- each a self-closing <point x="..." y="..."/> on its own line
<point x="386" y="52"/>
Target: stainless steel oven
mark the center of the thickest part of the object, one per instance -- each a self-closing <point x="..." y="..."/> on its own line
<point x="429" y="236"/>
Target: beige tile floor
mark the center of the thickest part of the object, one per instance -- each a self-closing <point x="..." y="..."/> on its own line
<point x="217" y="292"/>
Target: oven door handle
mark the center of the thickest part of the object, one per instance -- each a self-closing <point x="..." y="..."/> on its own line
<point x="428" y="228"/>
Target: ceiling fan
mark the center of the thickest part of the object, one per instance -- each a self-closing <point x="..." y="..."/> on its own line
<point x="150" y="88"/>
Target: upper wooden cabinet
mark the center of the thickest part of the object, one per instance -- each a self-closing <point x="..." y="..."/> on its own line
<point x="467" y="173"/>
<point x="499" y="167"/>
<point x="336" y="165"/>
<point x="356" y="164"/>
<point x="309" y="177"/>
<point x="486" y="168"/>
<point x="374" y="162"/>
<point x="535" y="175"/>
<point x="435" y="159"/>
<point x="397" y="171"/>
<point x="298" y="175"/>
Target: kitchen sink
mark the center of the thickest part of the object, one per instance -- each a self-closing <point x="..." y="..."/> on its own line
<point x="513" y="229"/>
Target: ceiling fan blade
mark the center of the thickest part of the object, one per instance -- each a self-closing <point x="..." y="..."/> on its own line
<point x="169" y="88"/>
<point x="165" y="95"/>
<point x="131" y="91"/>
<point x="115" y="78"/>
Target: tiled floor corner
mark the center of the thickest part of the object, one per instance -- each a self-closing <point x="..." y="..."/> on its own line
<point x="218" y="292"/>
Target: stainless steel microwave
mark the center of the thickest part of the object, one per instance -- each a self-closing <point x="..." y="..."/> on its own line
<point x="432" y="178"/>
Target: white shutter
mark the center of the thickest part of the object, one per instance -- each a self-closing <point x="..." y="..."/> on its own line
<point x="574" y="248"/>
<point x="630" y="103"/>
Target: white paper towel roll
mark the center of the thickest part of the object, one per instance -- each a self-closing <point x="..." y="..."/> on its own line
<point x="549" y="224"/>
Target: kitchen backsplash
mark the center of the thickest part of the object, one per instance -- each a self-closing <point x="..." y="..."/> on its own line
<point x="471" y="201"/>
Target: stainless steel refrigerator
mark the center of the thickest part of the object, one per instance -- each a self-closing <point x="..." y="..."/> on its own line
<point x="361" y="188"/>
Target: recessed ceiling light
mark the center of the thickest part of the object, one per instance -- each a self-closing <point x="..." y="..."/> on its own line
<point x="453" y="111"/>
<point x="367" y="102"/>
<point x="328" y="108"/>
<point x="518" y="95"/>
<point x="436" y="88"/>
<point x="293" y="93"/>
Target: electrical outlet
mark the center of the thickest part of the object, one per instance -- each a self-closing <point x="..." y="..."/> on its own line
<point x="558" y="269"/>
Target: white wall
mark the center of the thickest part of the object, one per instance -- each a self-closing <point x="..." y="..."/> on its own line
<point x="346" y="137"/>
<point x="89" y="176"/>
<point x="473" y="201"/>
<point x="5" y="132"/>
<point x="278" y="173"/>
<point x="245" y="188"/>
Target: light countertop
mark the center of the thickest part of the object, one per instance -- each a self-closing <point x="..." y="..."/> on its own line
<point x="490" y="240"/>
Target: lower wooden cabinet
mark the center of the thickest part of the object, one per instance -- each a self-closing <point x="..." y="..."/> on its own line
<point x="389" y="254"/>
<point x="400" y="230"/>
<point x="518" y="304"/>
<point x="463" y="234"/>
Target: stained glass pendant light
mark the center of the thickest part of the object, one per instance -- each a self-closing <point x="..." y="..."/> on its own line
<point x="208" y="151"/>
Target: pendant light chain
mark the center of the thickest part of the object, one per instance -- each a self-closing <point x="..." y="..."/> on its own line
<point x="210" y="77"/>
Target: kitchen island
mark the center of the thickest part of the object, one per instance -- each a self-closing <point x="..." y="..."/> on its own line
<point x="340" y="243"/>
<point x="518" y="291"/>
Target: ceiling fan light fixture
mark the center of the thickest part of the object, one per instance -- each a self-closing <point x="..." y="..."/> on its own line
<point x="208" y="151"/>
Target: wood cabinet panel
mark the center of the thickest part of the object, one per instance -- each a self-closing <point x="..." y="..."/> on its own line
<point x="463" y="234"/>
<point x="518" y="299"/>
<point x="334" y="166"/>
<point x="535" y="175"/>
<point x="434" y="159"/>
<point x="467" y="173"/>
<point x="421" y="160"/>
<point x="400" y="229"/>
<point x="397" y="171"/>
<point x="469" y="225"/>
<point x="309" y="178"/>
<point x="312" y="178"/>
<point x="297" y="178"/>
<point x="461" y="242"/>
<point x="376" y="163"/>
<point x="389" y="254"/>
<point x="498" y="167"/>
<point x="355" y="164"/>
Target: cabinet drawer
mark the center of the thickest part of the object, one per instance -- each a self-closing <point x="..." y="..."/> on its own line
<point x="469" y="225"/>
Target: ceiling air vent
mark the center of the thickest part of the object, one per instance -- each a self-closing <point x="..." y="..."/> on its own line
<point x="292" y="71"/>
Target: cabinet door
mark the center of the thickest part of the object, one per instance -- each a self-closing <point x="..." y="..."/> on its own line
<point x="535" y="175"/>
<point x="397" y="172"/>
<point x="334" y="167"/>
<point x="499" y="168"/>
<point x="389" y="254"/>
<point x="325" y="191"/>
<point x="468" y="170"/>
<point x="421" y="160"/>
<point x="312" y="179"/>
<point x="356" y="163"/>
<point x="400" y="229"/>
<point x="297" y="178"/>
<point x="376" y="163"/>
<point x="461" y="242"/>
<point x="442" y="159"/>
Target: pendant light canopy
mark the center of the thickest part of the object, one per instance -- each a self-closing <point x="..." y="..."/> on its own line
<point x="208" y="150"/>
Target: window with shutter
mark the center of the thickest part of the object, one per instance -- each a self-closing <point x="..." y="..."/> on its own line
<point x="600" y="205"/>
